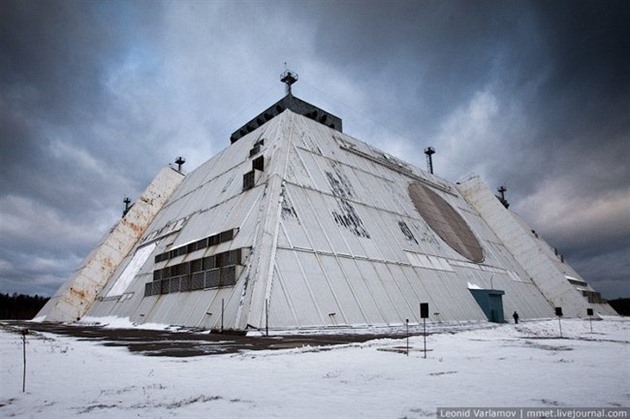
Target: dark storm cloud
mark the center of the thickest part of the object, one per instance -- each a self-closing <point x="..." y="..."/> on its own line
<point x="566" y="62"/>
<point x="58" y="175"/>
<point x="433" y="54"/>
<point x="97" y="96"/>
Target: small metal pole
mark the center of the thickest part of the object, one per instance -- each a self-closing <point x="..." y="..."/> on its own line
<point x="559" y="314"/>
<point x="24" y="333"/>
<point x="267" y="317"/>
<point x="425" y="337"/>
<point x="407" y="323"/>
<point x="590" y="320"/>
<point x="429" y="151"/>
<point x="222" y="312"/>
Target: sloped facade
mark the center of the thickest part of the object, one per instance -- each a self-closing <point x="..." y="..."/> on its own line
<point x="296" y="225"/>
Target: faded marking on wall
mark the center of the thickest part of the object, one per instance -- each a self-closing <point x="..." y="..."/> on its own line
<point x="288" y="210"/>
<point x="347" y="217"/>
<point x="407" y="232"/>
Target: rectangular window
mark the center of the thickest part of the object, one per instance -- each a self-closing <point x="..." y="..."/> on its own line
<point x="226" y="236"/>
<point x="185" y="283"/>
<point x="255" y="150"/>
<point x="196" y="265"/>
<point x="249" y="179"/>
<point x="209" y="262"/>
<point x="201" y="244"/>
<point x="174" y="285"/>
<point x="219" y="259"/>
<point x="166" y="284"/>
<point x="259" y="163"/>
<point x="184" y="268"/>
<point x="157" y="288"/>
<point x="197" y="282"/>
<point x="212" y="278"/>
<point x="230" y="258"/>
<point x="228" y="276"/>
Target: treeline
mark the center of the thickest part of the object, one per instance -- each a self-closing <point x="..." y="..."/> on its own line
<point x="19" y="306"/>
<point x="621" y="305"/>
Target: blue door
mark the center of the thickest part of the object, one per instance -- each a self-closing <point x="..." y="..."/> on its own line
<point x="491" y="302"/>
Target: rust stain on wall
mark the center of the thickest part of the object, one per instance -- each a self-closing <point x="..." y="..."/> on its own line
<point x="78" y="293"/>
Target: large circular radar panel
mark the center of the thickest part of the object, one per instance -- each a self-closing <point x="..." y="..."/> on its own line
<point x="446" y="222"/>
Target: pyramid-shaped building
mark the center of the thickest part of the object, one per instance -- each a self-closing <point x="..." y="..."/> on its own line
<point x="297" y="225"/>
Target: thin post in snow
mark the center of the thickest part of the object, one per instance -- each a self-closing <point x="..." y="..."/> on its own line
<point x="267" y="316"/>
<point x="407" y="323"/>
<point x="559" y="314"/>
<point x="24" y="333"/>
<point x="424" y="313"/>
<point x="222" y="312"/>
<point x="424" y="333"/>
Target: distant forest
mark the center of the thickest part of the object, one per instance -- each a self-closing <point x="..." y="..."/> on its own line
<point x="20" y="307"/>
<point x="621" y="306"/>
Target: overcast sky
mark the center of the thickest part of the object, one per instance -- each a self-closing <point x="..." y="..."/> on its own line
<point x="96" y="97"/>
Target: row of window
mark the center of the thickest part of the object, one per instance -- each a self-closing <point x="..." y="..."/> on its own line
<point x="219" y="260"/>
<point x="219" y="270"/>
<point x="577" y="282"/>
<point x="212" y="278"/>
<point x="593" y="297"/>
<point x="209" y="241"/>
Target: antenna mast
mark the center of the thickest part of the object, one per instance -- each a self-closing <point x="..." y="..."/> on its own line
<point x="502" y="189"/>
<point x="288" y="77"/>
<point x="179" y="162"/>
<point x="126" y="201"/>
<point x="429" y="151"/>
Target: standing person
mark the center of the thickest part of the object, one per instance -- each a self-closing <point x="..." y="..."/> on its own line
<point x="515" y="315"/>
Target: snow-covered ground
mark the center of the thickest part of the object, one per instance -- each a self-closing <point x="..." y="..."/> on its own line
<point x="527" y="365"/>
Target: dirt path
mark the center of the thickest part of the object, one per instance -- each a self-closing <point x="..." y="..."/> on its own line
<point x="185" y="343"/>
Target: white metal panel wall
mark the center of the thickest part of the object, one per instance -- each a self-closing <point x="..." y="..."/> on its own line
<point x="391" y="308"/>
<point x="350" y="311"/>
<point x="526" y="249"/>
<point x="319" y="285"/>
<point x="357" y="284"/>
<point x="294" y="293"/>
